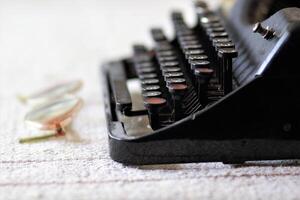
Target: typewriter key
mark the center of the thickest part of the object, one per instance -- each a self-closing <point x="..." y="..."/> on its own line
<point x="167" y="58"/>
<point x="175" y="80"/>
<point x="142" y="58"/>
<point x="169" y="64"/>
<point x="144" y="65"/>
<point x="185" y="43"/>
<point x="224" y="45"/>
<point x="177" y="15"/>
<point x="150" y="81"/>
<point x="212" y="25"/>
<point x="147" y="76"/>
<point x="146" y="70"/>
<point x="215" y="30"/>
<point x="189" y="53"/>
<point x="226" y="55"/>
<point x="153" y="105"/>
<point x="177" y="91"/>
<point x="158" y="35"/>
<point x="203" y="75"/>
<point x="221" y="40"/>
<point x="191" y="47"/>
<point x="210" y="19"/>
<point x="173" y="74"/>
<point x="171" y="69"/>
<point x="177" y="87"/>
<point x="187" y="38"/>
<point x="139" y="49"/>
<point x="152" y="94"/>
<point x="150" y="87"/>
<point x="197" y="57"/>
<point x="185" y="32"/>
<point x="199" y="64"/>
<point x="163" y="47"/>
<point x="165" y="53"/>
<point x="218" y="35"/>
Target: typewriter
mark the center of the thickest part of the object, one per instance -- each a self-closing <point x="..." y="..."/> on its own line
<point x="225" y="90"/>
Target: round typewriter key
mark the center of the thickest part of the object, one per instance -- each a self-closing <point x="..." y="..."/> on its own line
<point x="167" y="58"/>
<point x="191" y="47"/>
<point x="146" y="70"/>
<point x="203" y="71"/>
<point x="144" y="65"/>
<point x="212" y="25"/>
<point x="228" y="52"/>
<point x="150" y="81"/>
<point x="203" y="75"/>
<point x="147" y="76"/>
<point x="151" y="87"/>
<point x="197" y="57"/>
<point x="187" y="38"/>
<point x="215" y="30"/>
<point x="199" y="64"/>
<point x="171" y="69"/>
<point x="220" y="40"/>
<point x="184" y="32"/>
<point x="163" y="48"/>
<point x="152" y="94"/>
<point x="224" y="45"/>
<point x="218" y="35"/>
<point x="177" y="87"/>
<point x="189" y="53"/>
<point x="166" y="53"/>
<point x="177" y="90"/>
<point x="154" y="104"/>
<point x="155" y="101"/>
<point x="173" y="74"/>
<point x="186" y="43"/>
<point x="211" y="19"/>
<point x="169" y="64"/>
<point x="175" y="80"/>
<point x="142" y="58"/>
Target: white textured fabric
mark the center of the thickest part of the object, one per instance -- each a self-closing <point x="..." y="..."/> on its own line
<point x="42" y="42"/>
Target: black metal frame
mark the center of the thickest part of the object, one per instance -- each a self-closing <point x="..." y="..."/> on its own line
<point x="257" y="121"/>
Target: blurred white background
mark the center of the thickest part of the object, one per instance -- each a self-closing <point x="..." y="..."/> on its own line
<point x="35" y="34"/>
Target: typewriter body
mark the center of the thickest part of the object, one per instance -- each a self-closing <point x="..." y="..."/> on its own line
<point x="225" y="90"/>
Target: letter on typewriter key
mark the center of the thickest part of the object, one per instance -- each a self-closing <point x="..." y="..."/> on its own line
<point x="153" y="105"/>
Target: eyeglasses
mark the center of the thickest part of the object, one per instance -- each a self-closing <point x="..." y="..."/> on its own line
<point x="52" y="110"/>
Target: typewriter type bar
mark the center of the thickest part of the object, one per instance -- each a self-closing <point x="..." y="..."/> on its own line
<point x="216" y="92"/>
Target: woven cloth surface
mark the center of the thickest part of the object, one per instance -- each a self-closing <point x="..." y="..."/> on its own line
<point x="44" y="42"/>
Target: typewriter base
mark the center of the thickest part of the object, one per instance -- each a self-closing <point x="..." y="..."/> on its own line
<point x="187" y="151"/>
<point x="180" y="143"/>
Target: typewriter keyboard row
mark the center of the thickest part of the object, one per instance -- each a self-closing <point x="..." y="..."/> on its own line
<point x="182" y="76"/>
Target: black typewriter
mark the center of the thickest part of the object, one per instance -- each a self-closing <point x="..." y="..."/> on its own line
<point x="225" y="90"/>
